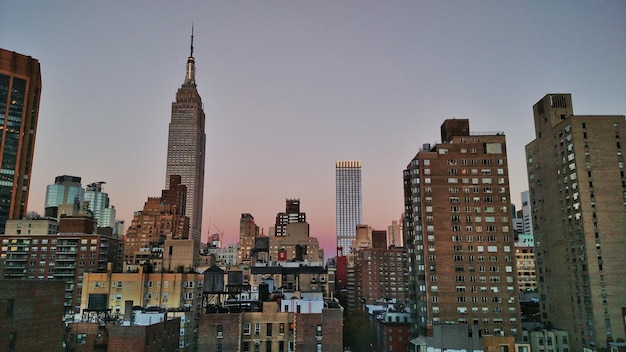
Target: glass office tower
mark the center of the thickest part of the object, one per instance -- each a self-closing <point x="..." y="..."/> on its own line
<point x="20" y="90"/>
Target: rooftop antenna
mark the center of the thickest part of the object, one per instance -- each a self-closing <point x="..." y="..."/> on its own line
<point x="190" y="77"/>
<point x="191" y="55"/>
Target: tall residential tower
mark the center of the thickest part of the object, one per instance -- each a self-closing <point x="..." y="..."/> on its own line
<point x="186" y="146"/>
<point x="20" y="90"/>
<point x="578" y="200"/>
<point x="349" y="204"/>
<point x="459" y="235"/>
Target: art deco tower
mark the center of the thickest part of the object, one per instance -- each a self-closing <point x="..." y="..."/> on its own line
<point x="349" y="204"/>
<point x="20" y="89"/>
<point x="578" y="198"/>
<point x="186" y="145"/>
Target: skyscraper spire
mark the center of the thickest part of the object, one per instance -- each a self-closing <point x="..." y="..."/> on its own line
<point x="190" y="77"/>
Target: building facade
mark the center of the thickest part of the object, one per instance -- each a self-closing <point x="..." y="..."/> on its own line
<point x="292" y="214"/>
<point x="578" y="199"/>
<point x="161" y="218"/>
<point x="68" y="255"/>
<point x="65" y="191"/>
<point x="177" y="293"/>
<point x="30" y="318"/>
<point x="20" y="91"/>
<point x="308" y="325"/>
<point x="186" y="146"/>
<point x="98" y="203"/>
<point x="349" y="202"/>
<point x="459" y="236"/>
<point x="380" y="273"/>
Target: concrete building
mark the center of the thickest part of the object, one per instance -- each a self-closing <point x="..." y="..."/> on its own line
<point x="547" y="340"/>
<point x="394" y="232"/>
<point x="20" y="91"/>
<point x="186" y="145"/>
<point x="248" y="232"/>
<point x="458" y="233"/>
<point x="296" y="245"/>
<point x="349" y="202"/>
<point x="527" y="220"/>
<point x="222" y="257"/>
<point x="30" y="318"/>
<point x="77" y="249"/>
<point x="578" y="200"/>
<point x="29" y="226"/>
<point x="292" y="276"/>
<point x="291" y="215"/>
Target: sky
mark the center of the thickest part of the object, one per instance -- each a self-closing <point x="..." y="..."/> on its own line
<point x="290" y="87"/>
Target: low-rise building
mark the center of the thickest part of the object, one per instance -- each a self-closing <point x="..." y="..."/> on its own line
<point x="178" y="293"/>
<point x="140" y="331"/>
<point x="295" y="323"/>
<point x="547" y="340"/>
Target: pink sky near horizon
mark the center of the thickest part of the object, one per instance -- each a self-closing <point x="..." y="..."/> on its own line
<point x="291" y="87"/>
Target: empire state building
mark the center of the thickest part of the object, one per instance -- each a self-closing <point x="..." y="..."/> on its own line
<point x="186" y="146"/>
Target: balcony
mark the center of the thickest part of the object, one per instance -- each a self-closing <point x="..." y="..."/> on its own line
<point x="64" y="274"/>
<point x="65" y="258"/>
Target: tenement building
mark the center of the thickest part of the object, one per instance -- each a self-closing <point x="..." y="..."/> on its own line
<point x="578" y="196"/>
<point x="459" y="236"/>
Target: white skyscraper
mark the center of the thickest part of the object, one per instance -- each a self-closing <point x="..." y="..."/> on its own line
<point x="349" y="204"/>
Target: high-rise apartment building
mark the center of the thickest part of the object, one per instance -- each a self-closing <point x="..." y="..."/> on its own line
<point x="20" y="90"/>
<point x="349" y="203"/>
<point x="186" y="146"/>
<point x="67" y="255"/>
<point x="578" y="199"/>
<point x="458" y="233"/>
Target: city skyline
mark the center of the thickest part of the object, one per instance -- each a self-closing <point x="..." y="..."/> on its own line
<point x="289" y="88"/>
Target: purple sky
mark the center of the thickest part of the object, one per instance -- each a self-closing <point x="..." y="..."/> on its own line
<point x="289" y="87"/>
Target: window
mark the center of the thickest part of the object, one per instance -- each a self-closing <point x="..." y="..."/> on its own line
<point x="246" y="346"/>
<point x="81" y="339"/>
<point x="10" y="307"/>
<point x="220" y="331"/>
<point x="257" y="328"/>
<point x="246" y="329"/>
<point x="318" y="331"/>
<point x="12" y="340"/>
<point x="268" y="331"/>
